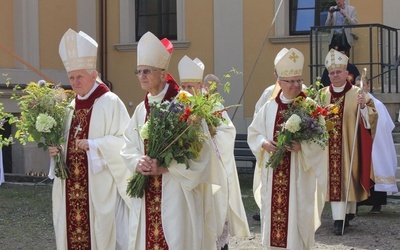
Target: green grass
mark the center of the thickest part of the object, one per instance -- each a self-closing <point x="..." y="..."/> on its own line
<point x="25" y="217"/>
<point x="26" y="214"/>
<point x="246" y="186"/>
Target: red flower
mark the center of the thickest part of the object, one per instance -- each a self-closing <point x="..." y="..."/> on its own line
<point x="324" y="112"/>
<point x="218" y="113"/>
<point x="186" y="115"/>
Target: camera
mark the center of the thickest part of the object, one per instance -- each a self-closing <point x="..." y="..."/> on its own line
<point x="331" y="10"/>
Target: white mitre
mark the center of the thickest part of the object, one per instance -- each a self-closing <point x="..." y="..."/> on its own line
<point x="336" y="59"/>
<point x="291" y="64"/>
<point x="78" y="51"/>
<point x="280" y="55"/>
<point x="190" y="70"/>
<point x="154" y="52"/>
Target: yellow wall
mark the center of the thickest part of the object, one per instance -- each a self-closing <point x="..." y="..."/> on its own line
<point x="55" y="18"/>
<point x="6" y="33"/>
<point x="257" y="21"/>
<point x="369" y="12"/>
<point x="200" y="32"/>
<point x="121" y="65"/>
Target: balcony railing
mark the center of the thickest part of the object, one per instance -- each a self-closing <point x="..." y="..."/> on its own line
<point x="375" y="48"/>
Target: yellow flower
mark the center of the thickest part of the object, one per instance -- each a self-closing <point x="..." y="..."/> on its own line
<point x="298" y="99"/>
<point x="329" y="125"/>
<point x="335" y="110"/>
<point x="183" y="97"/>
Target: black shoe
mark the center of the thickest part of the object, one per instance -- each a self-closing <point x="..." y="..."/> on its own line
<point x="338" y="224"/>
<point x="376" y="209"/>
<point x="348" y="218"/>
<point x="225" y="247"/>
<point x="256" y="217"/>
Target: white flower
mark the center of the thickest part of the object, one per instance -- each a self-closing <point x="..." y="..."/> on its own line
<point x="41" y="83"/>
<point x="321" y="120"/>
<point x="144" y="131"/>
<point x="44" y="123"/>
<point x="293" y="123"/>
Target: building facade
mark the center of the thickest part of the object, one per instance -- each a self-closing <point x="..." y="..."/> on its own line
<point x="241" y="34"/>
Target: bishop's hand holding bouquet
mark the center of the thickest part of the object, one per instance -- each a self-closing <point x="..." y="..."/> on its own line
<point x="44" y="108"/>
<point x="305" y="121"/>
<point x="173" y="131"/>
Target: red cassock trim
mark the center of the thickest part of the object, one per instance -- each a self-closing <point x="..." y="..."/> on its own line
<point x="280" y="191"/>
<point x="155" y="238"/>
<point x="77" y="184"/>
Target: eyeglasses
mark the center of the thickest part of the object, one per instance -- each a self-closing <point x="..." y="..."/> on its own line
<point x="337" y="72"/>
<point x="292" y="81"/>
<point x="146" y="72"/>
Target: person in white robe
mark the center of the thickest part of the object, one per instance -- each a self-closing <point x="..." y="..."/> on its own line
<point x="174" y="217"/>
<point x="271" y="92"/>
<point x="90" y="206"/>
<point x="224" y="212"/>
<point x="384" y="158"/>
<point x="291" y="198"/>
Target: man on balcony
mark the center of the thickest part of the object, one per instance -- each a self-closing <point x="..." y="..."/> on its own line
<point x="339" y="15"/>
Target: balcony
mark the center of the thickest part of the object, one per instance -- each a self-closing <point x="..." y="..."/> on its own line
<point x="375" y="48"/>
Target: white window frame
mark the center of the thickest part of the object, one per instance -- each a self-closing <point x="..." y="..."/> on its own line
<point x="282" y="26"/>
<point x="127" y="26"/>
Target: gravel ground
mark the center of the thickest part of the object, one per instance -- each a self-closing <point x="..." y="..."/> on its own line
<point x="366" y="231"/>
<point x="25" y="222"/>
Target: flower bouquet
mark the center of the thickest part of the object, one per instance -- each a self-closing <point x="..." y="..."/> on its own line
<point x="5" y="117"/>
<point x="304" y="122"/>
<point x="173" y="131"/>
<point x="44" y="108"/>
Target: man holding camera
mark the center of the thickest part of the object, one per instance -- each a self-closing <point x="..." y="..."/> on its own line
<point x="339" y="15"/>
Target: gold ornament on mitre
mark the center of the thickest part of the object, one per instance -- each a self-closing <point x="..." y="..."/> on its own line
<point x="190" y="70"/>
<point x="335" y="59"/>
<point x="290" y="64"/>
<point x="78" y="51"/>
<point x="154" y="52"/>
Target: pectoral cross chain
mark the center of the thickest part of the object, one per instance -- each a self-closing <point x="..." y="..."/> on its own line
<point x="77" y="129"/>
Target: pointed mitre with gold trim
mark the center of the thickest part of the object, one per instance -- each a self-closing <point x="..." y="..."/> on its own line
<point x="78" y="51"/>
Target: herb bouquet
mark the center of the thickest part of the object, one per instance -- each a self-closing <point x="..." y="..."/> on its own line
<point x="5" y="117"/>
<point x="173" y="131"/>
<point x="304" y="122"/>
<point x="44" y="108"/>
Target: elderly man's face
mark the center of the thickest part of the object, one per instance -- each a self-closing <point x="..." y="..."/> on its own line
<point x="82" y="81"/>
<point x="191" y="87"/>
<point x="338" y="76"/>
<point x="151" y="79"/>
<point x="291" y="86"/>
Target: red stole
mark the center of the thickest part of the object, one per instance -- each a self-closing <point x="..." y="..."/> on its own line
<point x="280" y="187"/>
<point x="77" y="184"/>
<point x="155" y="238"/>
<point x="335" y="147"/>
